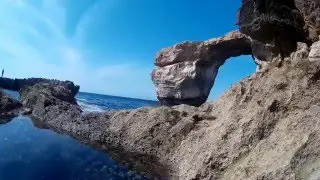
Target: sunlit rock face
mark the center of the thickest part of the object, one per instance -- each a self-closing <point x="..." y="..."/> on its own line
<point x="314" y="54"/>
<point x="185" y="73"/>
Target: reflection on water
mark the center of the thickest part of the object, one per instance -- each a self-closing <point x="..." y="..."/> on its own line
<point x="29" y="153"/>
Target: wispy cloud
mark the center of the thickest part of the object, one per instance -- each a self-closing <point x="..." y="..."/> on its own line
<point x="34" y="43"/>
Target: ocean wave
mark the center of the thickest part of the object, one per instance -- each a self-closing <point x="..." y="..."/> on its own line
<point x="82" y="99"/>
<point x="89" y="107"/>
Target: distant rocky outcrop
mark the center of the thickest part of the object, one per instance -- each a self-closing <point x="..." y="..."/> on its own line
<point x="185" y="73"/>
<point x="36" y="94"/>
<point x="17" y="84"/>
<point x="46" y="98"/>
<point x="9" y="107"/>
<point x="7" y="103"/>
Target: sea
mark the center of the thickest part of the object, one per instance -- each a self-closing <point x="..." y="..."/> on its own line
<point x="30" y="153"/>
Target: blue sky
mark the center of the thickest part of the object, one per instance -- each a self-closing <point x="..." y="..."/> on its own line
<point x="108" y="46"/>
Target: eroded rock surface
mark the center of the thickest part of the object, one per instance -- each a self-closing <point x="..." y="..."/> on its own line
<point x="310" y="10"/>
<point x="50" y="100"/>
<point x="29" y="95"/>
<point x="264" y="127"/>
<point x="185" y="73"/>
<point x="17" y="84"/>
<point x="9" y="107"/>
<point x="314" y="54"/>
<point x="280" y="24"/>
<point x="277" y="23"/>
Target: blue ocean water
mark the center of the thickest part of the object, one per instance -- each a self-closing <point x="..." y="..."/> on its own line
<point x="30" y="153"/>
<point x="99" y="103"/>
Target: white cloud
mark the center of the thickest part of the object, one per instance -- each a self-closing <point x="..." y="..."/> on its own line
<point x="33" y="43"/>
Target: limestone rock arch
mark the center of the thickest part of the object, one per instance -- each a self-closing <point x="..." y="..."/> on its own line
<point x="185" y="73"/>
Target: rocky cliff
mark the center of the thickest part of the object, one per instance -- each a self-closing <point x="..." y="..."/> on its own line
<point x="269" y="31"/>
<point x="280" y="25"/>
<point x="310" y="10"/>
<point x="264" y="127"/>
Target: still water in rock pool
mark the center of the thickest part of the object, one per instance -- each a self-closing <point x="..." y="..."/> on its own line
<point x="30" y="153"/>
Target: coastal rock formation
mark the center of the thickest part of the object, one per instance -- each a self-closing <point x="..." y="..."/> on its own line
<point x="17" y="84"/>
<point x="280" y="24"/>
<point x="8" y="106"/>
<point x="264" y="127"/>
<point x="314" y="54"/>
<point x="7" y="103"/>
<point x="310" y="10"/>
<point x="185" y="73"/>
<point x="46" y="98"/>
<point x="277" y="23"/>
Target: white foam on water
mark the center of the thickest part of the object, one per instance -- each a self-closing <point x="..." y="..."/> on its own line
<point x="89" y="107"/>
<point x="82" y="99"/>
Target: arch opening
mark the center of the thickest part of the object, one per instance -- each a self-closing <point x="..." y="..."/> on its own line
<point x="232" y="71"/>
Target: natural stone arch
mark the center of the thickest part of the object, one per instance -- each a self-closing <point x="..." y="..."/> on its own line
<point x="185" y="73"/>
